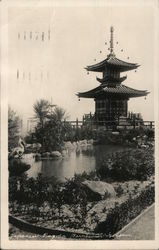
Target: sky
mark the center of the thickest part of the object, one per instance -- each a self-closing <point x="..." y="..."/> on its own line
<point x="48" y="48"/>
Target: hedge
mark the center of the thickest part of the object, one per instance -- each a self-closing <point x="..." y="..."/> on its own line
<point x="122" y="214"/>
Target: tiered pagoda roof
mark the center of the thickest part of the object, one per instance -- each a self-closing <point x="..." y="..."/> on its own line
<point x="120" y="90"/>
<point x="112" y="61"/>
<point x="110" y="84"/>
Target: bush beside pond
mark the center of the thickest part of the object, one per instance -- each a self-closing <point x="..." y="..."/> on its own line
<point x="124" y="137"/>
<point x="136" y="164"/>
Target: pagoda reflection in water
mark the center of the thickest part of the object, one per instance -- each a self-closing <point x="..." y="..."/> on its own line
<point x="111" y="96"/>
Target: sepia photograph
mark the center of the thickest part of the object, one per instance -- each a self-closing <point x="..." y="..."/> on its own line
<point x="79" y="105"/>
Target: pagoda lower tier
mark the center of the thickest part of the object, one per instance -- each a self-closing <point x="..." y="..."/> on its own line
<point x="111" y="102"/>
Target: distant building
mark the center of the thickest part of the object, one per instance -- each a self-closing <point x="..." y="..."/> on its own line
<point x="31" y="124"/>
<point x="111" y="96"/>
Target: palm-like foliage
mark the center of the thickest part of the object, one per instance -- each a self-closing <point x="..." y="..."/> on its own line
<point x="59" y="114"/>
<point x="52" y="128"/>
<point x="41" y="109"/>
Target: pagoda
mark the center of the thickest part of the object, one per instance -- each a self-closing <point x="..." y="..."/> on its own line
<point x="111" y="96"/>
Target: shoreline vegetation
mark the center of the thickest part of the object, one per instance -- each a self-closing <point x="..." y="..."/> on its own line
<point x="99" y="202"/>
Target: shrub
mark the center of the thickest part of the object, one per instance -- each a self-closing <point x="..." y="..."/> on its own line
<point x="13" y="128"/>
<point x="134" y="164"/>
<point x="119" y="190"/>
<point x="17" y="167"/>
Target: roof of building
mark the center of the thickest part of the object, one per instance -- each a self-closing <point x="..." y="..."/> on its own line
<point x="112" y="61"/>
<point x="120" y="90"/>
<point x="107" y="79"/>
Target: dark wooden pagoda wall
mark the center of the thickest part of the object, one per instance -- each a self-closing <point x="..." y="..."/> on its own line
<point x="109" y="109"/>
<point x="111" y="72"/>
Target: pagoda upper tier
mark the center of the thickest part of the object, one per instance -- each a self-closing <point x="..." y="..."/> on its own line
<point x="111" y="62"/>
<point x="111" y="67"/>
<point x="111" y="79"/>
<point x="110" y="83"/>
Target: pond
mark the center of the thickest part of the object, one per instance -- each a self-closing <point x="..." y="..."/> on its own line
<point x="86" y="158"/>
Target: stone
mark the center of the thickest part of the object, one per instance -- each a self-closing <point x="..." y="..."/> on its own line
<point x="28" y="146"/>
<point x="143" y="146"/>
<point x="83" y="142"/>
<point x="38" y="156"/>
<point x="46" y="155"/>
<point x="115" y="133"/>
<point x="64" y="152"/>
<point x="68" y="145"/>
<point x="90" y="141"/>
<point x="55" y="154"/>
<point x="36" y="145"/>
<point x="74" y="144"/>
<point x="98" y="190"/>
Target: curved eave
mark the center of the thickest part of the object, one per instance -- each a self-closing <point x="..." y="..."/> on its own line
<point x="124" y="69"/>
<point x="91" y="93"/>
<point x="123" y="90"/>
<point x="112" y="62"/>
<point x="85" y="95"/>
<point x="145" y="93"/>
<point x="120" y="91"/>
<point x="127" y="95"/>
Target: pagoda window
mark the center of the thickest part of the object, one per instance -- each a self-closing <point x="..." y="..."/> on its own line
<point x="100" y="106"/>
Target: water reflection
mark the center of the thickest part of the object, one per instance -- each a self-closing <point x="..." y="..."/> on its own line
<point x="84" y="158"/>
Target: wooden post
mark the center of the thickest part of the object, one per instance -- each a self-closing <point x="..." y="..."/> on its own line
<point x="83" y="120"/>
<point x="134" y="122"/>
<point x="77" y="123"/>
<point x="90" y="120"/>
<point x="150" y="124"/>
<point x="27" y="125"/>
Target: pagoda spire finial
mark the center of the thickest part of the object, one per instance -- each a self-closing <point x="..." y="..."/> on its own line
<point x="111" y="40"/>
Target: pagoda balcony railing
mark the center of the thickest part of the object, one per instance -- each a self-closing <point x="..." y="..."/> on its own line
<point x="95" y="124"/>
<point x="106" y="125"/>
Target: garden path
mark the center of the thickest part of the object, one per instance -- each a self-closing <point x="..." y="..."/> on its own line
<point x="141" y="228"/>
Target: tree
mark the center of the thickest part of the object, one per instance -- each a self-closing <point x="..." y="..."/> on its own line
<point x="41" y="109"/>
<point x="13" y="128"/>
<point x="51" y="135"/>
<point x="52" y="128"/>
<point x="59" y="114"/>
